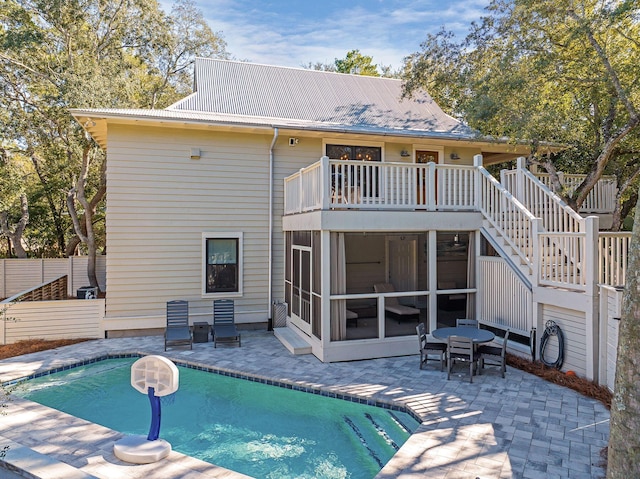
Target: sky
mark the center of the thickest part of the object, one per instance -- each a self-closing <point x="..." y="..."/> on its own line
<point x="295" y="32"/>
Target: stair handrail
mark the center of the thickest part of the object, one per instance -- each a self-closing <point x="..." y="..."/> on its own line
<point x="556" y="215"/>
<point x="504" y="212"/>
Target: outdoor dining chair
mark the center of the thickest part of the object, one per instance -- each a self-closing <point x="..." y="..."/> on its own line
<point x="461" y="349"/>
<point x="473" y="323"/>
<point x="427" y="347"/>
<point x="496" y="354"/>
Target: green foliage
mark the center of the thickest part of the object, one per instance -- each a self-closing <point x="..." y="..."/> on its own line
<point x="357" y="63"/>
<point x="61" y="54"/>
<point x="562" y="72"/>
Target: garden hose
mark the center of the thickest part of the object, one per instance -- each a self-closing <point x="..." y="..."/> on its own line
<point x="552" y="329"/>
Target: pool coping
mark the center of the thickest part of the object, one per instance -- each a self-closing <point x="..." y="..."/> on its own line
<point x="19" y="465"/>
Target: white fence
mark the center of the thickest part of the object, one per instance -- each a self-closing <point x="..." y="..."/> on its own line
<point x="66" y="319"/>
<point x="18" y="275"/>
<point x="508" y="304"/>
<point x="610" y="312"/>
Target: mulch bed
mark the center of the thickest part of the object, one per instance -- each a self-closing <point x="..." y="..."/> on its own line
<point x="581" y="385"/>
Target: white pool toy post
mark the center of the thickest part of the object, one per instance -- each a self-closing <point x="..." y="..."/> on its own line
<point x="155" y="376"/>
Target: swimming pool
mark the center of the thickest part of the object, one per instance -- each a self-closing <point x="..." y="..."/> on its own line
<point x="254" y="428"/>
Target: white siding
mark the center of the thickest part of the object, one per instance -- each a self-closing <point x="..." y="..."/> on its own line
<point x="572" y="324"/>
<point x="160" y="201"/>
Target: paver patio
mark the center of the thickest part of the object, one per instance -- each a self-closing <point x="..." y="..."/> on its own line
<point x="518" y="427"/>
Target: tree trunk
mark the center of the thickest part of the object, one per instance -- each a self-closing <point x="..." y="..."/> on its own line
<point x="15" y="236"/>
<point x="624" y="441"/>
<point x="85" y="230"/>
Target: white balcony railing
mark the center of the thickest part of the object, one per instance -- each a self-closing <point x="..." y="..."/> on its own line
<point x="337" y="184"/>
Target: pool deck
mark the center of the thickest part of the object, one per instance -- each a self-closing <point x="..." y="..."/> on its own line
<point x="518" y="427"/>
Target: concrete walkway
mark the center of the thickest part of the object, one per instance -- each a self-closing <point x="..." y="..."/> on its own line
<point x="518" y="427"/>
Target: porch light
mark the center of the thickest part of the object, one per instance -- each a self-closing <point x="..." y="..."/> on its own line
<point x="405" y="153"/>
<point x="454" y="156"/>
<point x="456" y="239"/>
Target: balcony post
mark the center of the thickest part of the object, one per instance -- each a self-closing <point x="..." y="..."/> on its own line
<point x="325" y="180"/>
<point x="477" y="180"/>
<point x="536" y="226"/>
<point x="431" y="186"/>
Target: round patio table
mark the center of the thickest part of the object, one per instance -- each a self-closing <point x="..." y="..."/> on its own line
<point x="477" y="335"/>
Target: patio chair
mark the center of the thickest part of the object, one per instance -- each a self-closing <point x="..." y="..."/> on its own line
<point x="472" y="323"/>
<point x="461" y="349"/>
<point x="496" y="354"/>
<point x="392" y="305"/>
<point x="177" y="331"/>
<point x="427" y="347"/>
<point x="224" y="324"/>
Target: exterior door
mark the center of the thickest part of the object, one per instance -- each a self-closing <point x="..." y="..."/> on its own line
<point x="423" y="157"/>
<point x="401" y="268"/>
<point x="301" y="310"/>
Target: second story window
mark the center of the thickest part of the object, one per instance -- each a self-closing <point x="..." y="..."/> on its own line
<point x="358" y="153"/>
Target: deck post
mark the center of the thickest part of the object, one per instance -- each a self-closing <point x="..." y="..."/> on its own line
<point x="591" y="262"/>
<point x="477" y="187"/>
<point x="536" y="227"/>
<point x="519" y="185"/>
<point x="431" y="186"/>
<point x="325" y="179"/>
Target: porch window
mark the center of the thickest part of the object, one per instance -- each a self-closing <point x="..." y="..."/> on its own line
<point x="223" y="263"/>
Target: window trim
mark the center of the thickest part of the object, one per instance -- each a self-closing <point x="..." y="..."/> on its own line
<point x="240" y="263"/>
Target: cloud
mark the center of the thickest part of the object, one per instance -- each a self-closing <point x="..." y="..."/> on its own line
<point x="295" y="33"/>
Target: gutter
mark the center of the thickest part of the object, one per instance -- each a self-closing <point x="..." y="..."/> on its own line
<point x="270" y="256"/>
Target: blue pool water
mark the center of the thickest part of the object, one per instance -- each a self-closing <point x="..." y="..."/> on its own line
<point x="260" y="430"/>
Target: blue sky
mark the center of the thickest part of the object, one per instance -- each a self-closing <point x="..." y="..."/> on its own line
<point x="293" y="33"/>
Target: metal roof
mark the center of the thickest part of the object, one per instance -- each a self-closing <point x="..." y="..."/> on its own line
<point x="249" y="92"/>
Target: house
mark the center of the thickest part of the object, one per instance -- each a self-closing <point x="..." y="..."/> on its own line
<point x="364" y="212"/>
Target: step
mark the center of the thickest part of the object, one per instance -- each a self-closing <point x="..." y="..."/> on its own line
<point x="292" y="340"/>
<point x="21" y="461"/>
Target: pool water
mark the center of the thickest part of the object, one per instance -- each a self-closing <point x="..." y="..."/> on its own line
<point x="257" y="429"/>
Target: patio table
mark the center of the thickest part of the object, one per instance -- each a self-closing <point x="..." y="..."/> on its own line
<point x="477" y="335"/>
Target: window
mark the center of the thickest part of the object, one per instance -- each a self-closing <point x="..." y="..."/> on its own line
<point x="345" y="152"/>
<point x="222" y="263"/>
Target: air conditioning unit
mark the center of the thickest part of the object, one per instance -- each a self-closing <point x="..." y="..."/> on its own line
<point x="280" y="310"/>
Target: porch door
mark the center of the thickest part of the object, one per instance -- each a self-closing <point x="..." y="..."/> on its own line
<point x="423" y="157"/>
<point x="402" y="258"/>
<point x="301" y="310"/>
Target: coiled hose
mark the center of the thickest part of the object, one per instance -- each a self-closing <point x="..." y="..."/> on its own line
<point x="552" y="329"/>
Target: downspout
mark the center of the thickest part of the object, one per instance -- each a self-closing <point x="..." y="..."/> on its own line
<point x="270" y="306"/>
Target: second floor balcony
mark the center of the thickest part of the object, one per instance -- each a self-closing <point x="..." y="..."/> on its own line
<point x="367" y="185"/>
<point x="338" y="184"/>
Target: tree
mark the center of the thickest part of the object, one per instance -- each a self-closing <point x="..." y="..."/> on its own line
<point x="88" y="54"/>
<point x="357" y="63"/>
<point x="14" y="205"/>
<point x="624" y="441"/>
<point x="547" y="71"/>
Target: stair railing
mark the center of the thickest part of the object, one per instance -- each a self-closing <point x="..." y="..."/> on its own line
<point x="517" y="225"/>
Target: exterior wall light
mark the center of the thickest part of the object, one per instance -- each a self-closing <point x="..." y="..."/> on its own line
<point x="454" y="156"/>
